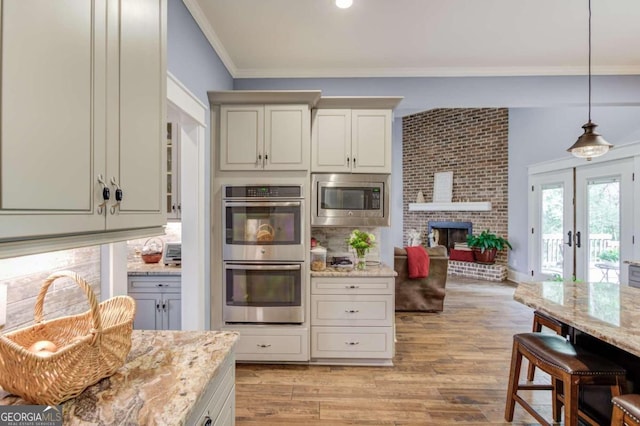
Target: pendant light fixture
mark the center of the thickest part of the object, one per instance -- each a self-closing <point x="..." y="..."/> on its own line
<point x="344" y="4"/>
<point x="590" y="144"/>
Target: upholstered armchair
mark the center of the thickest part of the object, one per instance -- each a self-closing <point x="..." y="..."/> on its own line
<point x="421" y="294"/>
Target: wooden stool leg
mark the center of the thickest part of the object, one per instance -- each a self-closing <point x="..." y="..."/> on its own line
<point x="537" y="327"/>
<point x="617" y="419"/>
<point x="556" y="405"/>
<point x="570" y="384"/>
<point x="514" y="377"/>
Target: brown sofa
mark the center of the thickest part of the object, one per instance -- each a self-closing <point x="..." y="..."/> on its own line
<point x="421" y="294"/>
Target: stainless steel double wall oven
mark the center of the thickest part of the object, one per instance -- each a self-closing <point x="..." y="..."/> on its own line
<point x="263" y="254"/>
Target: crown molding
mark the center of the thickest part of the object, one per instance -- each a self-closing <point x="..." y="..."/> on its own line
<point x="210" y="34"/>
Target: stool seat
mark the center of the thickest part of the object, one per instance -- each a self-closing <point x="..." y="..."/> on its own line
<point x="556" y="351"/>
<point x="626" y="409"/>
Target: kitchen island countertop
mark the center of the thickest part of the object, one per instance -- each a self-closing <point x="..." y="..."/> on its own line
<point x="165" y="375"/>
<point x="141" y="268"/>
<point x="381" y="270"/>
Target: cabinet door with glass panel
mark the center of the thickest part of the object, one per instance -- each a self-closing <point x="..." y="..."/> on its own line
<point x="174" y="205"/>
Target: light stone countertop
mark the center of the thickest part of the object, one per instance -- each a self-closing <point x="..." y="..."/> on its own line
<point x="165" y="374"/>
<point x="609" y="312"/>
<point x="141" y="268"/>
<point x="381" y="270"/>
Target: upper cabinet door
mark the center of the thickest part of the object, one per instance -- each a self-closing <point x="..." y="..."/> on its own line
<point x="137" y="99"/>
<point x="286" y="137"/>
<point x="241" y="137"/>
<point x="52" y="116"/>
<point x="371" y="141"/>
<point x="331" y="141"/>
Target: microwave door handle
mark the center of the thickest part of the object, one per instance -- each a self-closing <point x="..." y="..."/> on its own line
<point x="264" y="267"/>
<point x="263" y="204"/>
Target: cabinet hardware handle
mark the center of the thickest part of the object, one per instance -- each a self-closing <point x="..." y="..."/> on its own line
<point x="576" y="239"/>
<point x="164" y="307"/>
<point x="351" y="286"/>
<point x="119" y="195"/>
<point x="207" y="421"/>
<point x="351" y="343"/>
<point x="179" y="207"/>
<point x="354" y="161"/>
<point x="159" y="285"/>
<point x="263" y="346"/>
<point x="348" y="161"/>
<point x="173" y="207"/>
<point x="259" y="160"/>
<point x="351" y="311"/>
<point x="158" y="306"/>
<point x="106" y="194"/>
<point x="569" y="241"/>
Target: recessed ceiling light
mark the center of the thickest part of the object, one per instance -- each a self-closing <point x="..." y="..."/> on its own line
<point x="344" y="4"/>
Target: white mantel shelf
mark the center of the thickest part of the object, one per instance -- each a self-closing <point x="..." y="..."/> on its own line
<point x="478" y="206"/>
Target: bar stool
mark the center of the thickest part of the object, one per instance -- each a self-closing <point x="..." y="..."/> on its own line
<point x="540" y="320"/>
<point x="570" y="368"/>
<point x="626" y="410"/>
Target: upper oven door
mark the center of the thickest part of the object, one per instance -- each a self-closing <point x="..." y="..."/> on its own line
<point x="263" y="230"/>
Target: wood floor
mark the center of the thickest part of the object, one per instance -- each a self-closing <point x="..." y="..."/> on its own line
<point x="450" y="368"/>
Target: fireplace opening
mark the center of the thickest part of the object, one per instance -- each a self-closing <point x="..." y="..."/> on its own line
<point x="449" y="233"/>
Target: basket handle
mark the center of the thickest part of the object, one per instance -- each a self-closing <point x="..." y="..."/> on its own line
<point x="266" y="227"/>
<point x="93" y="302"/>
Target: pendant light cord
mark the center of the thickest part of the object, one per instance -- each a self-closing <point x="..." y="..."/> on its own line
<point x="589" y="61"/>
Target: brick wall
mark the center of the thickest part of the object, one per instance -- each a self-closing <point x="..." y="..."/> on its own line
<point x="470" y="142"/>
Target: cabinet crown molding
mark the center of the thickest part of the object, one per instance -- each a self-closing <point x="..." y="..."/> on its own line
<point x="231" y="97"/>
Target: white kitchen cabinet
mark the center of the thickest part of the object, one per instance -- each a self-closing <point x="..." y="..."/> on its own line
<point x="264" y="137"/>
<point x="271" y="342"/>
<point x="217" y="405"/>
<point x="352" y="319"/>
<point x="158" y="301"/>
<point x="356" y="141"/>
<point x="83" y="94"/>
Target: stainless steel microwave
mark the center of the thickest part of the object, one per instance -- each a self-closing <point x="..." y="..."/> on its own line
<point x="342" y="199"/>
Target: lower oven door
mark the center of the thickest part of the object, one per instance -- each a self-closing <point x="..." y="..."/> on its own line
<point x="263" y="293"/>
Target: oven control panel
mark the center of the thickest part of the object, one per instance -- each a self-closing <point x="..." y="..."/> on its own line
<point x="263" y="191"/>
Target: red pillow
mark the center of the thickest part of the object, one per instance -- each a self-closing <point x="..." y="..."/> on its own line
<point x="461" y="255"/>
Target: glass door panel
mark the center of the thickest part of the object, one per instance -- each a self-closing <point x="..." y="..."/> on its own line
<point x="551" y="223"/>
<point x="602" y="192"/>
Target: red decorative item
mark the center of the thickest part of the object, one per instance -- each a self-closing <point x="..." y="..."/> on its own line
<point x="462" y="255"/>
<point x="417" y="262"/>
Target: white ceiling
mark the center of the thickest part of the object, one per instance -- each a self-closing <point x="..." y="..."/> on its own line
<point x="386" y="38"/>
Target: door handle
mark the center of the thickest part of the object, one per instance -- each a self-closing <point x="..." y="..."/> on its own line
<point x="576" y="239"/>
<point x="569" y="240"/>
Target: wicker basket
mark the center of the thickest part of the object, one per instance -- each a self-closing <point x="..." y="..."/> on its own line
<point x="265" y="233"/>
<point x="92" y="345"/>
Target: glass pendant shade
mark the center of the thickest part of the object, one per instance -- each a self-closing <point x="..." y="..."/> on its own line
<point x="590" y="144"/>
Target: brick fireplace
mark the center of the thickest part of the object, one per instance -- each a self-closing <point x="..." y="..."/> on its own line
<point x="473" y="144"/>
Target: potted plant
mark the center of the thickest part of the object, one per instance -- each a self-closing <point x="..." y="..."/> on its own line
<point x="486" y="245"/>
<point x="361" y="241"/>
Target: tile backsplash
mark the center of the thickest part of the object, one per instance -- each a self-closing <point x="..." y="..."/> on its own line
<point x="334" y="239"/>
<point x="24" y="276"/>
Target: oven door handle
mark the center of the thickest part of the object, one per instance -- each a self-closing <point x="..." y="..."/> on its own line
<point x="263" y="204"/>
<point x="263" y="267"/>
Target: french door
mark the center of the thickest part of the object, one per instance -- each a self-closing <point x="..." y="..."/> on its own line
<point x="581" y="222"/>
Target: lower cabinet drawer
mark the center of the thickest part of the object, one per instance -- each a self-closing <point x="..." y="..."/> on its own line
<point x="352" y="342"/>
<point x="352" y="310"/>
<point x="272" y="346"/>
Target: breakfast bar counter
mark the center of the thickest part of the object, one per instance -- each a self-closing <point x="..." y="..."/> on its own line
<point x="169" y="377"/>
<point x="608" y="312"/>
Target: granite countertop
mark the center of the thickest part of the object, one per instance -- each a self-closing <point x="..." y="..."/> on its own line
<point x="609" y="312"/>
<point x="380" y="270"/>
<point x="140" y="268"/>
<point x="165" y="374"/>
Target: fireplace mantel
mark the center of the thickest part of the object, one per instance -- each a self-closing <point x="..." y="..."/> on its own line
<point x="449" y="207"/>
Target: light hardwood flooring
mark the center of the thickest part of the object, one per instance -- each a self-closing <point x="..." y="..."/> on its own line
<point x="450" y="368"/>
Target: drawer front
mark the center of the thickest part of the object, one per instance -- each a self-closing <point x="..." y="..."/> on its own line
<point x="351" y="342"/>
<point x="155" y="284"/>
<point x="356" y="310"/>
<point x="272" y="347"/>
<point x="360" y="285"/>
